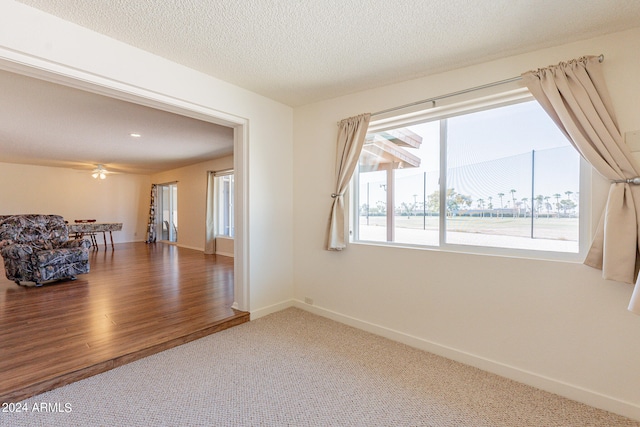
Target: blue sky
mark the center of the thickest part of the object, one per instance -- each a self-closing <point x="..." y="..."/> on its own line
<point x="489" y="152"/>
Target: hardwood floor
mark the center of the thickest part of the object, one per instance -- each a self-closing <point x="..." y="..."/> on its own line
<point x="137" y="300"/>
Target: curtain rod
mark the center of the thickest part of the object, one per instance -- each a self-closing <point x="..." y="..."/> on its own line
<point x="460" y="92"/>
<point x="222" y="172"/>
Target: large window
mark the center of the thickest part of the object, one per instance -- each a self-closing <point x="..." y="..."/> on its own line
<point x="503" y="177"/>
<point x="224" y="194"/>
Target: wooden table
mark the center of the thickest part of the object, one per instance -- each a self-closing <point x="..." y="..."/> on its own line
<point x="96" y="227"/>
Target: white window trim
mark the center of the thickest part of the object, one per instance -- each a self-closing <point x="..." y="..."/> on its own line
<point x="446" y="110"/>
<point x="467" y="107"/>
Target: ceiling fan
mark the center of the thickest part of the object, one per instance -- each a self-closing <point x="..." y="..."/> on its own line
<point x="99" y="172"/>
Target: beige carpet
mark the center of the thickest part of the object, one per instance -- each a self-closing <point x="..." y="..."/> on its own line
<point x="293" y="368"/>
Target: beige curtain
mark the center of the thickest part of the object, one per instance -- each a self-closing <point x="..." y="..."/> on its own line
<point x="351" y="134"/>
<point x="210" y="232"/>
<point x="574" y="94"/>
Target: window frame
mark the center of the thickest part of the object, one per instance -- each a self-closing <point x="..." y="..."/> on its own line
<point x="453" y="109"/>
<point x="167" y="200"/>
<point x="223" y="206"/>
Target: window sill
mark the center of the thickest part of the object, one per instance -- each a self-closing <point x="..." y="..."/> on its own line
<point x="569" y="257"/>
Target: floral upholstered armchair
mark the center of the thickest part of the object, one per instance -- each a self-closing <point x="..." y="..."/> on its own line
<point x="36" y="248"/>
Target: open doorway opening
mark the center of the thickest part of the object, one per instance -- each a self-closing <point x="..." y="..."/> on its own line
<point x="90" y="82"/>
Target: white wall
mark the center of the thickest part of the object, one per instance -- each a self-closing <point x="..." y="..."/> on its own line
<point x="75" y="194"/>
<point x="225" y="246"/>
<point x="192" y="198"/>
<point x="61" y="47"/>
<point x="556" y="325"/>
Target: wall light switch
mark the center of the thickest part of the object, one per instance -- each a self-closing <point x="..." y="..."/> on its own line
<point x="632" y="138"/>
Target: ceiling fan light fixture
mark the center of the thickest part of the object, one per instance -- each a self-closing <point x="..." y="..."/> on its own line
<point x="99" y="172"/>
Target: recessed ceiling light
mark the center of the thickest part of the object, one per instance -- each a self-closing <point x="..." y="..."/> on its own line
<point x="135" y="135"/>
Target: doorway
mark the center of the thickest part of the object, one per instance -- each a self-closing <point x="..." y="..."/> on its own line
<point x="77" y="78"/>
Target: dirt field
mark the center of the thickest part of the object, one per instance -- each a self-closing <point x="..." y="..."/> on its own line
<point x="555" y="234"/>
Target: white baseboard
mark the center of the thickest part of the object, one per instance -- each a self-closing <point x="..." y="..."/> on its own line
<point x="229" y="254"/>
<point x="201" y="249"/>
<point x="542" y="382"/>
<point x="189" y="247"/>
<point x="261" y="312"/>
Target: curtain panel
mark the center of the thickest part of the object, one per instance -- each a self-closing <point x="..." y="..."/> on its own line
<point x="351" y="135"/>
<point x="575" y="96"/>
<point x="151" y="224"/>
<point x="210" y="231"/>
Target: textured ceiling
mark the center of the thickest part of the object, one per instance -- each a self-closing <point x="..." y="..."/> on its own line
<point x="293" y="51"/>
<point x="301" y="51"/>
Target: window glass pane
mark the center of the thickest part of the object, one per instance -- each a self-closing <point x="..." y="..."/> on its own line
<point x="373" y="206"/>
<point x="512" y="181"/>
<point x="230" y="224"/>
<point x="225" y="225"/>
<point x="417" y="189"/>
<point x="556" y="206"/>
<point x="401" y="165"/>
<point x="168" y="219"/>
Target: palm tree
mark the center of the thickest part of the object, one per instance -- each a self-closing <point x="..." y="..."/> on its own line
<point x="513" y="197"/>
<point x="557" y="196"/>
<point x="526" y="206"/>
<point x="547" y="205"/>
<point x="405" y="209"/>
<point x="539" y="200"/>
<point x="481" y="206"/>
<point x="501" y="195"/>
